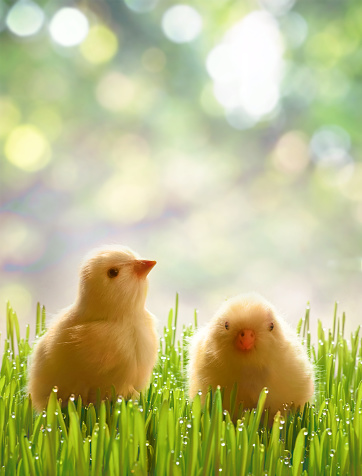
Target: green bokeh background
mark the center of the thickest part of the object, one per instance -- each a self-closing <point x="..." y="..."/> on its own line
<point x="125" y="142"/>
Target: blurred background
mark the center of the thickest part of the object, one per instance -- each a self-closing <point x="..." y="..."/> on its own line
<point x="221" y="138"/>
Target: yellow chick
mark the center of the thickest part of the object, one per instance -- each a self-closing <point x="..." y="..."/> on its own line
<point x="107" y="337"/>
<point x="248" y="343"/>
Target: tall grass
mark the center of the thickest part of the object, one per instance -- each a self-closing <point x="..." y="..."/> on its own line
<point x="163" y="433"/>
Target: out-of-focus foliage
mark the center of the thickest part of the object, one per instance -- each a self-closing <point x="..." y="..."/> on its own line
<point x="221" y="138"/>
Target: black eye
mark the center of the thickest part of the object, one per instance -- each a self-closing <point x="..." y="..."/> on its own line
<point x="227" y="325"/>
<point x="271" y="326"/>
<point x="112" y="272"/>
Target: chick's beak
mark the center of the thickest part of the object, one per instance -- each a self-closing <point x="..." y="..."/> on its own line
<point x="245" y="340"/>
<point x="143" y="266"/>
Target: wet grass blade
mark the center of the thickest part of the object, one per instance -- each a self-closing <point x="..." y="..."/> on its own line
<point x="165" y="433"/>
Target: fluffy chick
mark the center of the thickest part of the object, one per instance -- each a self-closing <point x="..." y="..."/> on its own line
<point x="248" y="343"/>
<point x="105" y="338"/>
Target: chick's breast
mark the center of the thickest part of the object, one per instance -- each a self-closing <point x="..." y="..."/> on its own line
<point x="248" y="344"/>
<point x="79" y="359"/>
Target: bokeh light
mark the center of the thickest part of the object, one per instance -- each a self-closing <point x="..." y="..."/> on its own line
<point x="181" y="23"/>
<point x="115" y="91"/>
<point x="291" y="153"/>
<point x="100" y="45"/>
<point x="27" y="148"/>
<point x="330" y="146"/>
<point x="25" y="18"/>
<point x="247" y="69"/>
<point x="141" y="6"/>
<point x="294" y="29"/>
<point x="224" y="142"/>
<point x="238" y="117"/>
<point x="69" y="27"/>
<point x="277" y="7"/>
<point x="126" y="201"/>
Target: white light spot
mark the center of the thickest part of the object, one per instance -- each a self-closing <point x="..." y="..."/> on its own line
<point x="141" y="6"/>
<point x="227" y="94"/>
<point x="69" y="27"/>
<point x="181" y="23"/>
<point x="259" y="101"/>
<point x="25" y="18"/>
<point x="220" y="64"/>
<point x="247" y="67"/>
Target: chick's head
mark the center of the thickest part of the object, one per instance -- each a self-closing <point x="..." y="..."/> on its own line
<point x="114" y="277"/>
<point x="245" y="330"/>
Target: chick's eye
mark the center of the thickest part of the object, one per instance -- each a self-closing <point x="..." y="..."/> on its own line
<point x="227" y="325"/>
<point x="271" y="326"/>
<point x="112" y="272"/>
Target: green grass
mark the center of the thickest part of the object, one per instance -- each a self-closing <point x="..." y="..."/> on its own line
<point x="165" y="434"/>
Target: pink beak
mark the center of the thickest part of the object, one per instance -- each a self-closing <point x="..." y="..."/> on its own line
<point x="245" y="339"/>
<point x="143" y="266"/>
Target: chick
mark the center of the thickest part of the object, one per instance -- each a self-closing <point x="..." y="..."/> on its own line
<point x="105" y="338"/>
<point x="248" y="343"/>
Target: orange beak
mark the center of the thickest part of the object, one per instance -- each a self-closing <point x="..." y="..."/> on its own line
<point x="143" y="266"/>
<point x="245" y="339"/>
